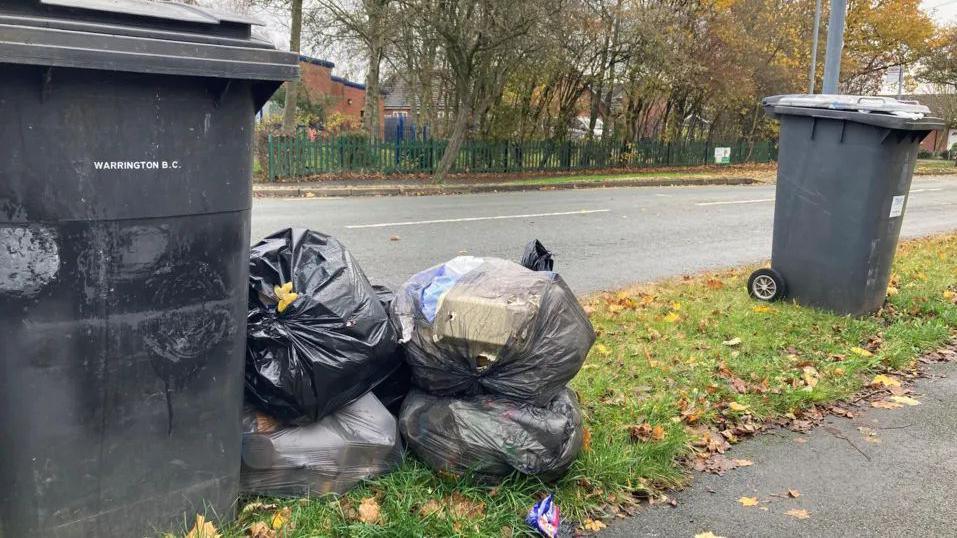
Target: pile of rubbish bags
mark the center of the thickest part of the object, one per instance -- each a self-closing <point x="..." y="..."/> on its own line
<point x="472" y="355"/>
<point x="491" y="346"/>
<point x="319" y="339"/>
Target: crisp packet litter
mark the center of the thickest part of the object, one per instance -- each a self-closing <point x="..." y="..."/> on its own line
<point x="544" y="517"/>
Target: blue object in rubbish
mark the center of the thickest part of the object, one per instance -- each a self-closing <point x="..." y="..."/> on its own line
<point x="544" y="517"/>
<point x="443" y="278"/>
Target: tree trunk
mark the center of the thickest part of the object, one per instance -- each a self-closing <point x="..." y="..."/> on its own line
<point x="292" y="87"/>
<point x="459" y="129"/>
<point x="371" y="121"/>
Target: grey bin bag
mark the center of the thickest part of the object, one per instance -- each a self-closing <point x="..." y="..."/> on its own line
<point x="489" y="437"/>
<point x="359" y="442"/>
<point x="490" y="326"/>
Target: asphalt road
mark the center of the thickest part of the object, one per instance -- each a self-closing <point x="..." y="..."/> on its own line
<point x="602" y="238"/>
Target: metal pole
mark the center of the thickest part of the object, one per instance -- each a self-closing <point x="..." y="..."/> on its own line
<point x="812" y="73"/>
<point x="900" y="81"/>
<point x="835" y="44"/>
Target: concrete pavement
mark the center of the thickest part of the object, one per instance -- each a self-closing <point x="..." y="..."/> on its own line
<point x="603" y="238"/>
<point x="886" y="472"/>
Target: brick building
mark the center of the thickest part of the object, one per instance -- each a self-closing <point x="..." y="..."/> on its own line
<point x="338" y="95"/>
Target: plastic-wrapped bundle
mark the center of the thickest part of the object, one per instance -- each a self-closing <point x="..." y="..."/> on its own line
<point x="358" y="442"/>
<point x="485" y="325"/>
<point x="317" y="336"/>
<point x="489" y="436"/>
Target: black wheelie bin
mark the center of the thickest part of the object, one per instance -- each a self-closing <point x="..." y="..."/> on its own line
<point x="126" y="130"/>
<point x="845" y="164"/>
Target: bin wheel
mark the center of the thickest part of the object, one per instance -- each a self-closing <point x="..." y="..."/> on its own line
<point x="766" y="285"/>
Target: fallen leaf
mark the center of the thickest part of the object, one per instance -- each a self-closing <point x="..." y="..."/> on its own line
<point x="394" y="238"/>
<point x="707" y="534"/>
<point x="260" y="530"/>
<point x="203" y="529"/>
<point x="256" y="506"/>
<point x="461" y="506"/>
<point x="671" y="317"/>
<point x="949" y="295"/>
<point x="861" y="351"/>
<point x="369" y="511"/>
<point x="593" y="525"/>
<point x="761" y="309"/>
<point x="714" y="284"/>
<point x="906" y="400"/>
<point x="885" y="381"/>
<point x="280" y="518"/>
<point x="658" y="432"/>
<point x="892" y="291"/>
<point x="738" y="407"/>
<point x="748" y="501"/>
<point x="743" y="463"/>
<point x="793" y="493"/>
<point x="602" y="349"/>
<point x="798" y="513"/>
<point x="430" y="508"/>
<point x="641" y="432"/>
<point x="310" y="194"/>
<point x="586" y="440"/>
<point x="884" y="404"/>
<point x="733" y="342"/>
<point x="810" y="376"/>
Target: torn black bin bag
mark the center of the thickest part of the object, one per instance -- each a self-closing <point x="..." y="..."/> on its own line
<point x="488" y="437"/>
<point x="490" y="326"/>
<point x="537" y="257"/>
<point x="323" y="343"/>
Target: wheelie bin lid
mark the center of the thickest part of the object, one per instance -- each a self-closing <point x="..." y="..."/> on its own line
<point x="164" y="38"/>
<point x="872" y="110"/>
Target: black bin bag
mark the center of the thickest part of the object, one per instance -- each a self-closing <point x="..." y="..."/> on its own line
<point x="358" y="442"/>
<point x="490" y="326"/>
<point x="311" y="353"/>
<point x="488" y="437"/>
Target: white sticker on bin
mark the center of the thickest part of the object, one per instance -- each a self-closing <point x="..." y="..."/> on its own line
<point x="897" y="206"/>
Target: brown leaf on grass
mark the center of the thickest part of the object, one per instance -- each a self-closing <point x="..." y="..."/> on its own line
<point x="203" y="529"/>
<point x="793" y="493"/>
<point x="369" y="512"/>
<point x="748" y="501"/>
<point x="586" y="439"/>
<point x="738" y="385"/>
<point x="461" y="506"/>
<point x="810" y="376"/>
<point x="658" y="432"/>
<point x="798" y="513"/>
<point x="260" y="529"/>
<point x="430" y="508"/>
<point x="640" y="432"/>
<point x="713" y="283"/>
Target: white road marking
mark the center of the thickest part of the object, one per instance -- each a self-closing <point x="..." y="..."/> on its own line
<point x="473" y="219"/>
<point x="758" y="201"/>
<point x="762" y="200"/>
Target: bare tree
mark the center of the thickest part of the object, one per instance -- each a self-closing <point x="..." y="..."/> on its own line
<point x="292" y="87"/>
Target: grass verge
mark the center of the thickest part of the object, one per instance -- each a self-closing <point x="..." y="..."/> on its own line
<point x="672" y="362"/>
<point x="935" y="167"/>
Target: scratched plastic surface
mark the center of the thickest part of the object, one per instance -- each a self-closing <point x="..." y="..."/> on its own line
<point x="123" y="291"/>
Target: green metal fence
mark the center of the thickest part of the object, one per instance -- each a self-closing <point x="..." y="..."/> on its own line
<point x="297" y="156"/>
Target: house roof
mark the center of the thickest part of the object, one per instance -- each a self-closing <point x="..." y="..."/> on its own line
<point x="348" y="83"/>
<point x="316" y="61"/>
